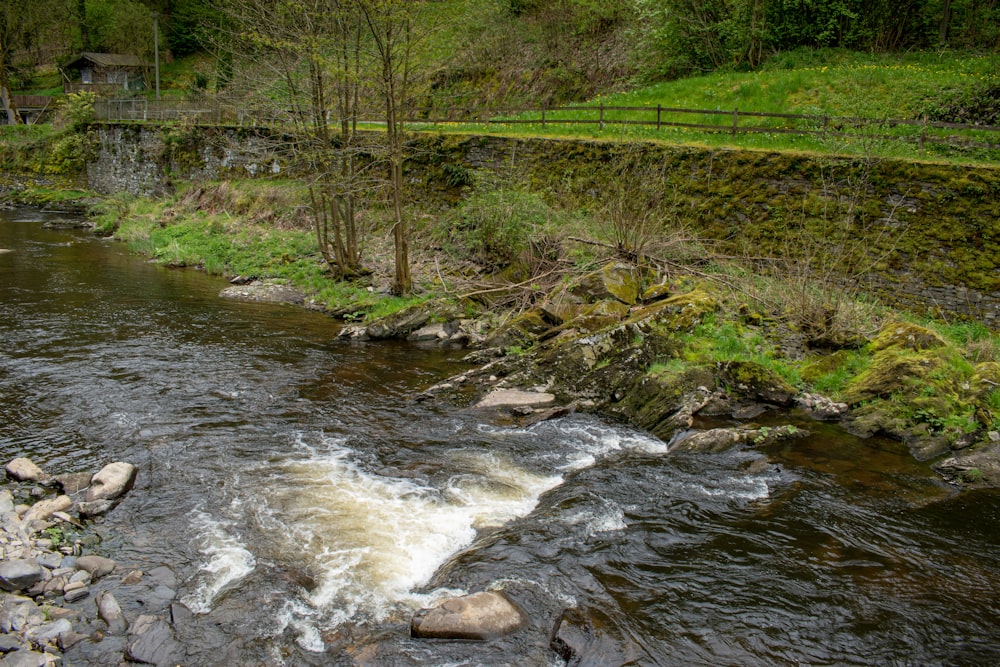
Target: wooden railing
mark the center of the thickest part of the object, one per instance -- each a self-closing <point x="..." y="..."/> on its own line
<point x="919" y="131"/>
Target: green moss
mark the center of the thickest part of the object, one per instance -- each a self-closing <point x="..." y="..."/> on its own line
<point x="905" y="335"/>
<point x="754" y="381"/>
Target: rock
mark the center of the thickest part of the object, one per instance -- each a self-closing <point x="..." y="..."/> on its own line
<point x="18" y="613"/>
<point x="820" y="407"/>
<point x="111" y="613"/>
<point x="721" y="439"/>
<point x="681" y="312"/>
<point x="264" y="292"/>
<point x="113" y="481"/>
<point x="49" y="559"/>
<point x="355" y="332"/>
<point x="8" y="644"/>
<point x="44" y="509"/>
<point x="478" y="616"/>
<point x="73" y="482"/>
<point x="755" y="382"/>
<point x="435" y="331"/>
<point x="906" y="335"/>
<point x="580" y="644"/>
<point x="68" y="640"/>
<point x="132" y="578"/>
<point x="522" y="331"/>
<point x="151" y="641"/>
<point x="54" y="587"/>
<point x="96" y="508"/>
<point x="515" y="398"/>
<point x="616" y="279"/>
<point x="545" y="415"/>
<point x="977" y="468"/>
<point x="562" y="308"/>
<point x="48" y="633"/>
<point x="25" y="659"/>
<point x="6" y="502"/>
<point x="656" y="292"/>
<point x="81" y="576"/>
<point x="20" y="573"/>
<point x="76" y="594"/>
<point x="24" y="470"/>
<point x="97" y="566"/>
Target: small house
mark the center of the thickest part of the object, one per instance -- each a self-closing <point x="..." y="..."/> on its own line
<point x="104" y="73"/>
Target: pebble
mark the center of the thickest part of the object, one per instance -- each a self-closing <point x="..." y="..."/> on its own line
<point x="38" y="576"/>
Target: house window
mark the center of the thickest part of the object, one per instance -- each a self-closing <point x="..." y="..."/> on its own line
<point x="86" y="76"/>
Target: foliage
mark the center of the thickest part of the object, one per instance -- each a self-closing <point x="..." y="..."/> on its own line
<point x="496" y="223"/>
<point x="77" y="110"/>
<point x="679" y="37"/>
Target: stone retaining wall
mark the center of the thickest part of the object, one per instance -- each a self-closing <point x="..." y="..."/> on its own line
<point x="927" y="236"/>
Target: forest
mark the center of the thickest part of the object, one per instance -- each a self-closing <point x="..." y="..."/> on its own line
<point x="574" y="47"/>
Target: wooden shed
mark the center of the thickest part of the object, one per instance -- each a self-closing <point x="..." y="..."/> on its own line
<point x="104" y="73"/>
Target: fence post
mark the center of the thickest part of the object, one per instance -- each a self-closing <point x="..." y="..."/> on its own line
<point x="659" y="112"/>
<point x="923" y="131"/>
<point x="736" y="120"/>
<point x="543" y="116"/>
<point x="601" y="119"/>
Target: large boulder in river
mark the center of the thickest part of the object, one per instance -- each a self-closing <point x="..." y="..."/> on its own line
<point x="113" y="481"/>
<point x="151" y="641"/>
<point x="24" y="470"/>
<point x="581" y="644"/>
<point x="478" y="616"/>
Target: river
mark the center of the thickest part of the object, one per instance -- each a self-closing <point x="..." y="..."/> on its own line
<point x="308" y="505"/>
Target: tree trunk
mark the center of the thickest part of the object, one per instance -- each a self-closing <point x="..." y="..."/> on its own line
<point x="7" y="105"/>
<point x="945" y="23"/>
<point x="81" y="15"/>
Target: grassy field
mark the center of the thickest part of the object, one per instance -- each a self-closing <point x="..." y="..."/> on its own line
<point x="827" y="85"/>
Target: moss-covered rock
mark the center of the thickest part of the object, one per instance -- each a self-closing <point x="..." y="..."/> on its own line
<point x="615" y="279"/>
<point x="908" y="336"/>
<point x="892" y="371"/>
<point x="824" y="365"/>
<point x="750" y="380"/>
<point x="657" y="292"/>
<point x="522" y="331"/>
<point x="721" y="439"/>
<point x="653" y="399"/>
<point x="681" y="312"/>
<point x="562" y="307"/>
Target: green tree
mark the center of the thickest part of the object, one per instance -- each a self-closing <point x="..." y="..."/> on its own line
<point x="22" y="23"/>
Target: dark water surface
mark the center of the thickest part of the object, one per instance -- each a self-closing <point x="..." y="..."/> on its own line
<point x="308" y="506"/>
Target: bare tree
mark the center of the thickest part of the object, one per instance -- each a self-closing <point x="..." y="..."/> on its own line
<point x="308" y="55"/>
<point x="391" y="30"/>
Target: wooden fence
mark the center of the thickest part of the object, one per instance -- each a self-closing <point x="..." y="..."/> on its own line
<point x="918" y="131"/>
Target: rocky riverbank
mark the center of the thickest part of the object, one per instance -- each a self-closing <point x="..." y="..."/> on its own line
<point x="59" y="602"/>
<point x="647" y="356"/>
<point x="649" y="352"/>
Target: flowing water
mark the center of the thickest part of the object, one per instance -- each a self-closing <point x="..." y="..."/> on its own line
<point x="308" y="506"/>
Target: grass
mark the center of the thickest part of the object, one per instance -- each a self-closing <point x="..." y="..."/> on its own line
<point x="826" y="83"/>
<point x="246" y="228"/>
<point x="718" y="339"/>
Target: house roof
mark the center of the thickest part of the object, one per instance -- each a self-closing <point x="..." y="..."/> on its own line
<point x="106" y="60"/>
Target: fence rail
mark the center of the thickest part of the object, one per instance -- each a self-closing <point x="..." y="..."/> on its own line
<point x="921" y="131"/>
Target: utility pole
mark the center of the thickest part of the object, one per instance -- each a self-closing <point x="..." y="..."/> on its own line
<point x="156" y="52"/>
